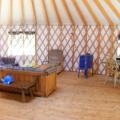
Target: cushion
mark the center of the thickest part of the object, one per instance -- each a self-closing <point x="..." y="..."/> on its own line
<point x="1" y="62"/>
<point x="8" y="60"/>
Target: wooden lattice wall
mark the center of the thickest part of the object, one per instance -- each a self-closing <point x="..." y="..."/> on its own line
<point x="101" y="41"/>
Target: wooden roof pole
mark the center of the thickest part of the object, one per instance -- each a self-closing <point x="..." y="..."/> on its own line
<point x="68" y="11"/>
<point x="73" y="45"/>
<point x="104" y="12"/>
<point x="0" y="11"/>
<point x="86" y="39"/>
<point x="34" y="13"/>
<point x="112" y="41"/>
<point x="35" y="22"/>
<point x="95" y="17"/>
<point x="57" y="12"/>
<point x="11" y="13"/>
<point x="48" y="22"/>
<point x="79" y="12"/>
<point x="99" y="47"/>
<point x="46" y="14"/>
<point x="117" y="13"/>
<point x="22" y="10"/>
<point x="119" y="1"/>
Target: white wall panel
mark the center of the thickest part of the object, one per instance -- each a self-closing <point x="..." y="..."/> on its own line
<point x="111" y="14"/>
<point x="16" y="11"/>
<point x="28" y="12"/>
<point x="40" y="12"/>
<point x="63" y="13"/>
<point x="5" y="12"/>
<point x="86" y="13"/>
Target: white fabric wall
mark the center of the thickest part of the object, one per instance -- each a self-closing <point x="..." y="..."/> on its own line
<point x="63" y="37"/>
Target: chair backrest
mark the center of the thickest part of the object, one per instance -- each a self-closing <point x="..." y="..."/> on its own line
<point x="112" y="66"/>
<point x="82" y="62"/>
<point x="86" y="61"/>
<point x="89" y="61"/>
<point x="55" y="56"/>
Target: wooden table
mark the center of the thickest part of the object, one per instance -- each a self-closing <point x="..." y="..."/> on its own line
<point x="45" y="82"/>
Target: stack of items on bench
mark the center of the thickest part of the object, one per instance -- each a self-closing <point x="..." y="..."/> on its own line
<point x="7" y="61"/>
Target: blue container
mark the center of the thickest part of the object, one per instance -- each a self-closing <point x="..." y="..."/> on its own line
<point x="85" y="63"/>
<point x="8" y="79"/>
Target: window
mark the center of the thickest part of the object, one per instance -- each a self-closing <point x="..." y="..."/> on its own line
<point x="21" y="44"/>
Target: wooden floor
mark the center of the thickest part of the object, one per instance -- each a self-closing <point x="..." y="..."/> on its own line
<point x="73" y="100"/>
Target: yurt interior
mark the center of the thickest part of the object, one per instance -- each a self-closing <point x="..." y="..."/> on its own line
<point x="60" y="59"/>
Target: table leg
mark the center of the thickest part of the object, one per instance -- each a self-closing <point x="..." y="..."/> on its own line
<point x="78" y="73"/>
<point x="23" y="96"/>
<point x="31" y="92"/>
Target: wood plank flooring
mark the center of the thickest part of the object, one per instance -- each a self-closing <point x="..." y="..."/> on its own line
<point x="74" y="99"/>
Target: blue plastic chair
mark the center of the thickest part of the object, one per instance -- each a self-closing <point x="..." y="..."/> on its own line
<point x="85" y="63"/>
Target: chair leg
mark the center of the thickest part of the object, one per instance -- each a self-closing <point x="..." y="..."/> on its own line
<point x="86" y="73"/>
<point x="92" y="71"/>
<point x="78" y="73"/>
<point x="107" y="78"/>
<point x="115" y="81"/>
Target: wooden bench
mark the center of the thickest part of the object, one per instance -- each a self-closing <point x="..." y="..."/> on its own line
<point x="24" y="87"/>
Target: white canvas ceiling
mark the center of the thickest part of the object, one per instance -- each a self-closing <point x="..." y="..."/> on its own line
<point x="62" y="12"/>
